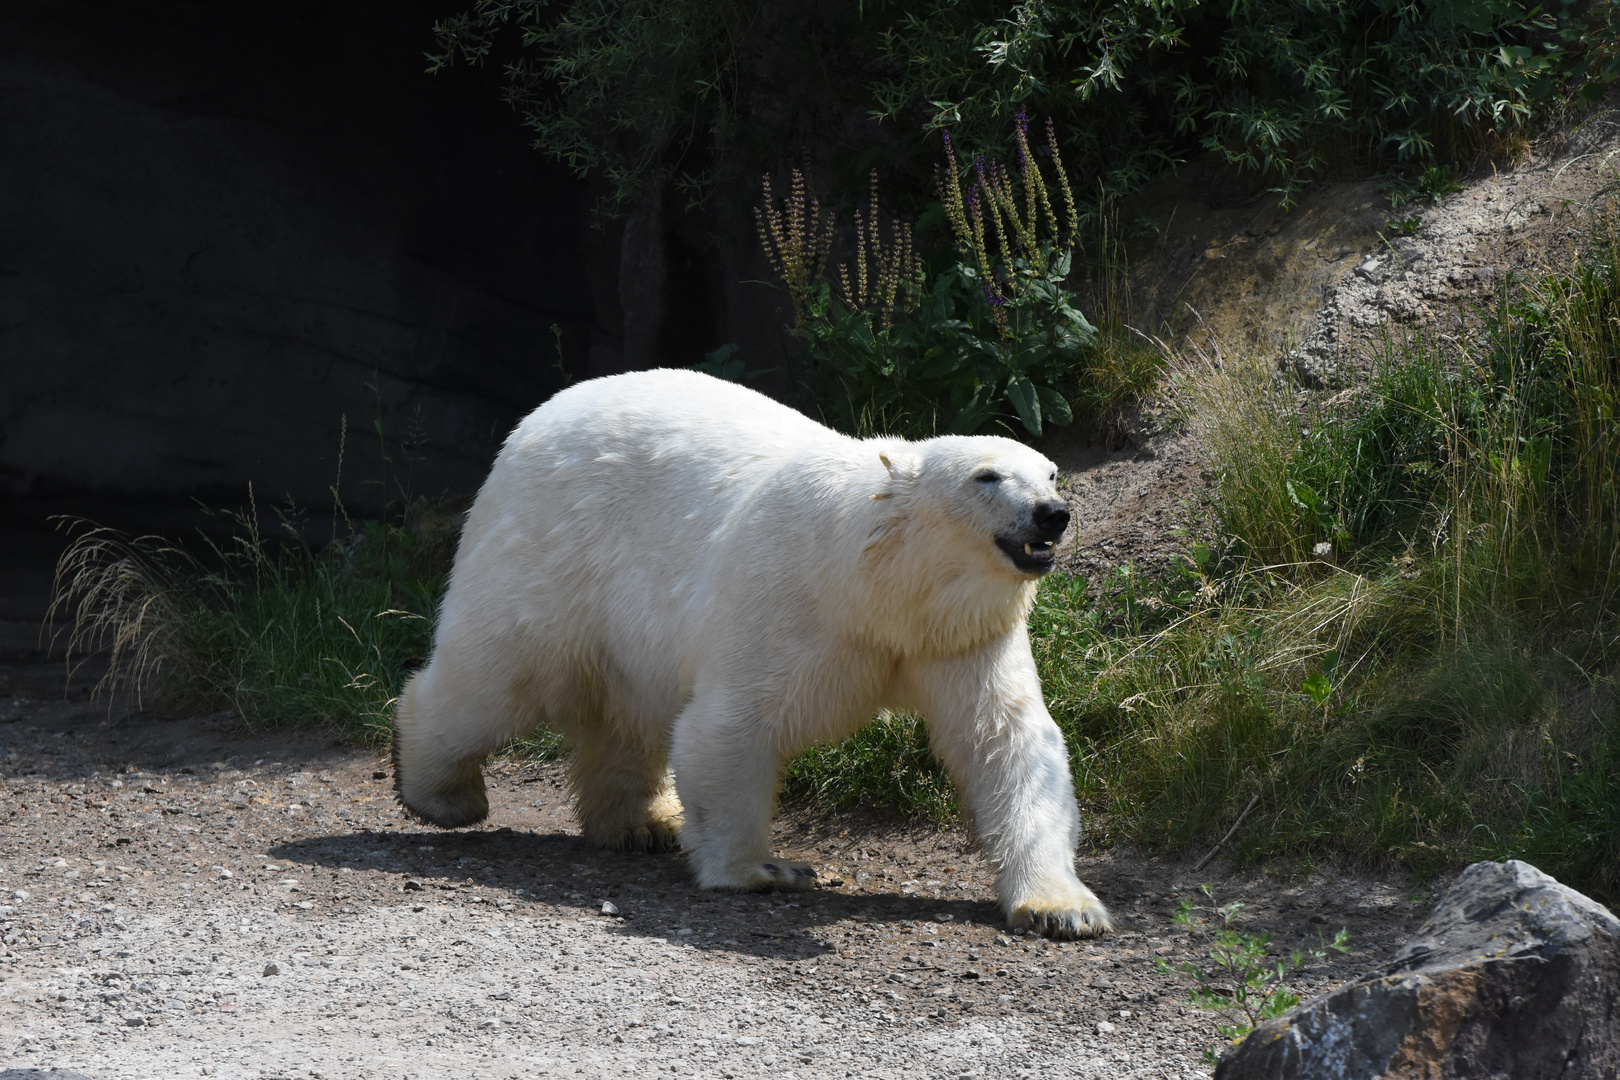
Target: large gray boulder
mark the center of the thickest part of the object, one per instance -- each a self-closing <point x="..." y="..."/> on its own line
<point x="1514" y="976"/>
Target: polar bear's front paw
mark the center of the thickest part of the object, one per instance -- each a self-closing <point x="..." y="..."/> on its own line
<point x="1063" y="920"/>
<point x="775" y="874"/>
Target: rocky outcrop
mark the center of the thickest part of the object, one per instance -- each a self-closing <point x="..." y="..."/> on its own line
<point x="1514" y="977"/>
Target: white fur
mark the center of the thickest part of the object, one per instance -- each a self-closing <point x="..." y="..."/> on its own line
<point x="680" y="572"/>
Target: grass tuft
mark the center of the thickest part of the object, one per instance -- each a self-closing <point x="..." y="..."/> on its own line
<point x="283" y="632"/>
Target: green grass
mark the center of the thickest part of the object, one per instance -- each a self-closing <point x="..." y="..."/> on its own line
<point x="887" y="764"/>
<point x="283" y="632"/>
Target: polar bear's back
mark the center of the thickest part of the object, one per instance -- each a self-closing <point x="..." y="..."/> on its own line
<point x="684" y="413"/>
<point x="599" y="533"/>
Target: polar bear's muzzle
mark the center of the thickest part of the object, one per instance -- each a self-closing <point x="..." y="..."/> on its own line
<point x="1030" y="549"/>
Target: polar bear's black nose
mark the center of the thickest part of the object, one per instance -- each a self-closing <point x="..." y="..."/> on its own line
<point x="1051" y="518"/>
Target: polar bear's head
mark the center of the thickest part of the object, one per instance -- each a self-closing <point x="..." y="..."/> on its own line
<point x="997" y="496"/>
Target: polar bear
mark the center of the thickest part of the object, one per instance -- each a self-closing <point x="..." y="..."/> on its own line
<point x="687" y="577"/>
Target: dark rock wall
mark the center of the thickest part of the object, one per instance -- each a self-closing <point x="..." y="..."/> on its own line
<point x="226" y="227"/>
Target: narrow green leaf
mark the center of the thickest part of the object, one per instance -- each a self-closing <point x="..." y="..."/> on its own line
<point x="1021" y="392"/>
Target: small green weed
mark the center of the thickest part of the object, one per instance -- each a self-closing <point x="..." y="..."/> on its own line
<point x="1245" y="985"/>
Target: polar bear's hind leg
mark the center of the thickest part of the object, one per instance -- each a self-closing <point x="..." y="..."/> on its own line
<point x="622" y="792"/>
<point x="434" y="789"/>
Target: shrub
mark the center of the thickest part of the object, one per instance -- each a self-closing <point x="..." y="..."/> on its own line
<point x="636" y="91"/>
<point x="994" y="337"/>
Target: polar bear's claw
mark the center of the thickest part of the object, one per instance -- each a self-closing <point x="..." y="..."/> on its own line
<point x="776" y="874"/>
<point x="790" y="875"/>
<point x="1088" y="920"/>
<point x="653" y="836"/>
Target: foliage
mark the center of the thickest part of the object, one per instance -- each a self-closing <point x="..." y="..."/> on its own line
<point x="633" y="90"/>
<point x="1284" y="90"/>
<point x="995" y="336"/>
<point x="1244" y="986"/>
<point x="639" y="92"/>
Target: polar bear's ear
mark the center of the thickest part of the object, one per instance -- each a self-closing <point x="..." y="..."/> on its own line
<point x="901" y="466"/>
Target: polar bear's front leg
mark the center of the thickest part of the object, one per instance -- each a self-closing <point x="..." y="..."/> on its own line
<point x="989" y="726"/>
<point x="725" y="760"/>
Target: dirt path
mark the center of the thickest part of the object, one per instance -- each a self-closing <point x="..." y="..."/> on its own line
<point x="152" y="871"/>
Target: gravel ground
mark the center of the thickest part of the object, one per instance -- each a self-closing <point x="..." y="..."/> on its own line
<point x="186" y="898"/>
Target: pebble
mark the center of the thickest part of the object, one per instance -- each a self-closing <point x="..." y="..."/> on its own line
<point x="272" y="968"/>
<point x="1105" y="1028"/>
<point x="609" y="908"/>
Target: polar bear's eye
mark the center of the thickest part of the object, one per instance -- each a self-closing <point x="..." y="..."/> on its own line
<point x="988" y="477"/>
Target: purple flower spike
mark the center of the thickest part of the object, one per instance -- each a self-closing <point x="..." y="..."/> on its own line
<point x="1022" y="120"/>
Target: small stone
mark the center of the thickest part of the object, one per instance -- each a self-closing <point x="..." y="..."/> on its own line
<point x="412" y="886"/>
<point x="134" y="1021"/>
<point x="970" y="974"/>
<point x="609" y="908"/>
<point x="379" y="774"/>
<point x="747" y="1040"/>
<point x="272" y="968"/>
<point x="1105" y="1028"/>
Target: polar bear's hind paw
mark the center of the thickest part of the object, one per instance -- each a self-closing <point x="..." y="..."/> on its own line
<point x="456" y="808"/>
<point x="1062" y="923"/>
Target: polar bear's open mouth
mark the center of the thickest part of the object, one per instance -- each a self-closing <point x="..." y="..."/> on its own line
<point x="1030" y="556"/>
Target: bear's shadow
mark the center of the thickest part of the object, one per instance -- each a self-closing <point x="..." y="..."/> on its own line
<point x="653" y="893"/>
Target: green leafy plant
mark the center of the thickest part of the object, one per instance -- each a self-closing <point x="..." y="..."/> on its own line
<point x="1285" y="91"/>
<point x="637" y="93"/>
<point x="1245" y="984"/>
<point x="995" y="337"/>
